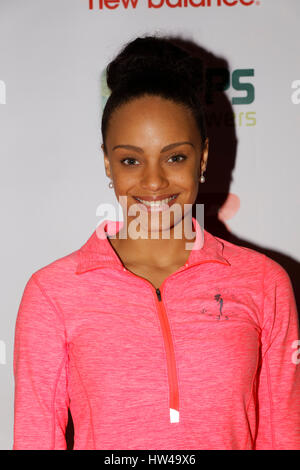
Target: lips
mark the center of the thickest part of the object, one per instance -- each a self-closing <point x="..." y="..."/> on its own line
<point x="158" y="204"/>
<point x="155" y="198"/>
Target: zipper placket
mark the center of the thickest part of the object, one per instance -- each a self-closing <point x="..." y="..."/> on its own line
<point x="169" y="348"/>
<point x="171" y="363"/>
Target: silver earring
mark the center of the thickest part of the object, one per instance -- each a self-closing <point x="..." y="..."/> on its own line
<point x="111" y="184"/>
<point x="202" y="179"/>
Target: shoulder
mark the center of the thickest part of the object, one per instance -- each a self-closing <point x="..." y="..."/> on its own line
<point x="58" y="274"/>
<point x="253" y="261"/>
<point x="239" y="255"/>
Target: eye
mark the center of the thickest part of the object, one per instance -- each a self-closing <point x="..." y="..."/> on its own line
<point x="129" y="159"/>
<point x="183" y="157"/>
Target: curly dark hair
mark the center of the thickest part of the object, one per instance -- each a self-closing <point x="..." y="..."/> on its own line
<point x="152" y="65"/>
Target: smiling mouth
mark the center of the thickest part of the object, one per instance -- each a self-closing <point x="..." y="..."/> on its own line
<point x="162" y="203"/>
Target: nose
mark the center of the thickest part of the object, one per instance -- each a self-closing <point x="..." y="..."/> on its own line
<point x="153" y="178"/>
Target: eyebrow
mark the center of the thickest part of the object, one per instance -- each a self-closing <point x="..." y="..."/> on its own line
<point x="164" y="149"/>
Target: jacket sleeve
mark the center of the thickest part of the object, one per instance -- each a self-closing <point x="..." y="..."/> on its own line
<point x="279" y="381"/>
<point x="40" y="373"/>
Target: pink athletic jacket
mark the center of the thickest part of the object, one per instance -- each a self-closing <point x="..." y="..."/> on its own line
<point x="210" y="360"/>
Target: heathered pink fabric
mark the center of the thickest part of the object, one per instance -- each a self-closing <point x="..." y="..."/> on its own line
<point x="89" y="336"/>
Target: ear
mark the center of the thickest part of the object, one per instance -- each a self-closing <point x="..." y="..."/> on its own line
<point x="106" y="162"/>
<point x="204" y="156"/>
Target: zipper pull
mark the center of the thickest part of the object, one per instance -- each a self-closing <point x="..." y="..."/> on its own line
<point x="158" y="294"/>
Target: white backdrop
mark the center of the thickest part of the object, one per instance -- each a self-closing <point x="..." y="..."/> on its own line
<point x="52" y="55"/>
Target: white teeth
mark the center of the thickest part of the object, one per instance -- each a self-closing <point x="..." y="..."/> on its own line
<point x="156" y="203"/>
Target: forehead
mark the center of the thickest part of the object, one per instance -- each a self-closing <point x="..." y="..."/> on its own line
<point x="150" y="120"/>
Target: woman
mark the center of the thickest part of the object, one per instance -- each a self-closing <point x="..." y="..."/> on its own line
<point x="156" y="334"/>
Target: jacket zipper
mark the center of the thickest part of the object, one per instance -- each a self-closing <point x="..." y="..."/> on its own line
<point x="171" y="363"/>
<point x="169" y="348"/>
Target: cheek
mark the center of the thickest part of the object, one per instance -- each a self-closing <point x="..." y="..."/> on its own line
<point x="123" y="176"/>
<point x="186" y="177"/>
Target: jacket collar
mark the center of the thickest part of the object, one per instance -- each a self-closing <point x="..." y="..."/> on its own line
<point x="97" y="252"/>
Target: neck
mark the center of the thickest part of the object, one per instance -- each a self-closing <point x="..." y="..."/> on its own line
<point x="156" y="250"/>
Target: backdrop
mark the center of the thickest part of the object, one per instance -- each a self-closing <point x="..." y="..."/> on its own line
<point x="52" y="90"/>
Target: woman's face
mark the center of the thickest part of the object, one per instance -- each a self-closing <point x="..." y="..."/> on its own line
<point x="145" y="160"/>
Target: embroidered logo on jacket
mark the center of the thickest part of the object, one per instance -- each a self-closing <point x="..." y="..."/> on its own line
<point x="220" y="303"/>
<point x="219" y="299"/>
